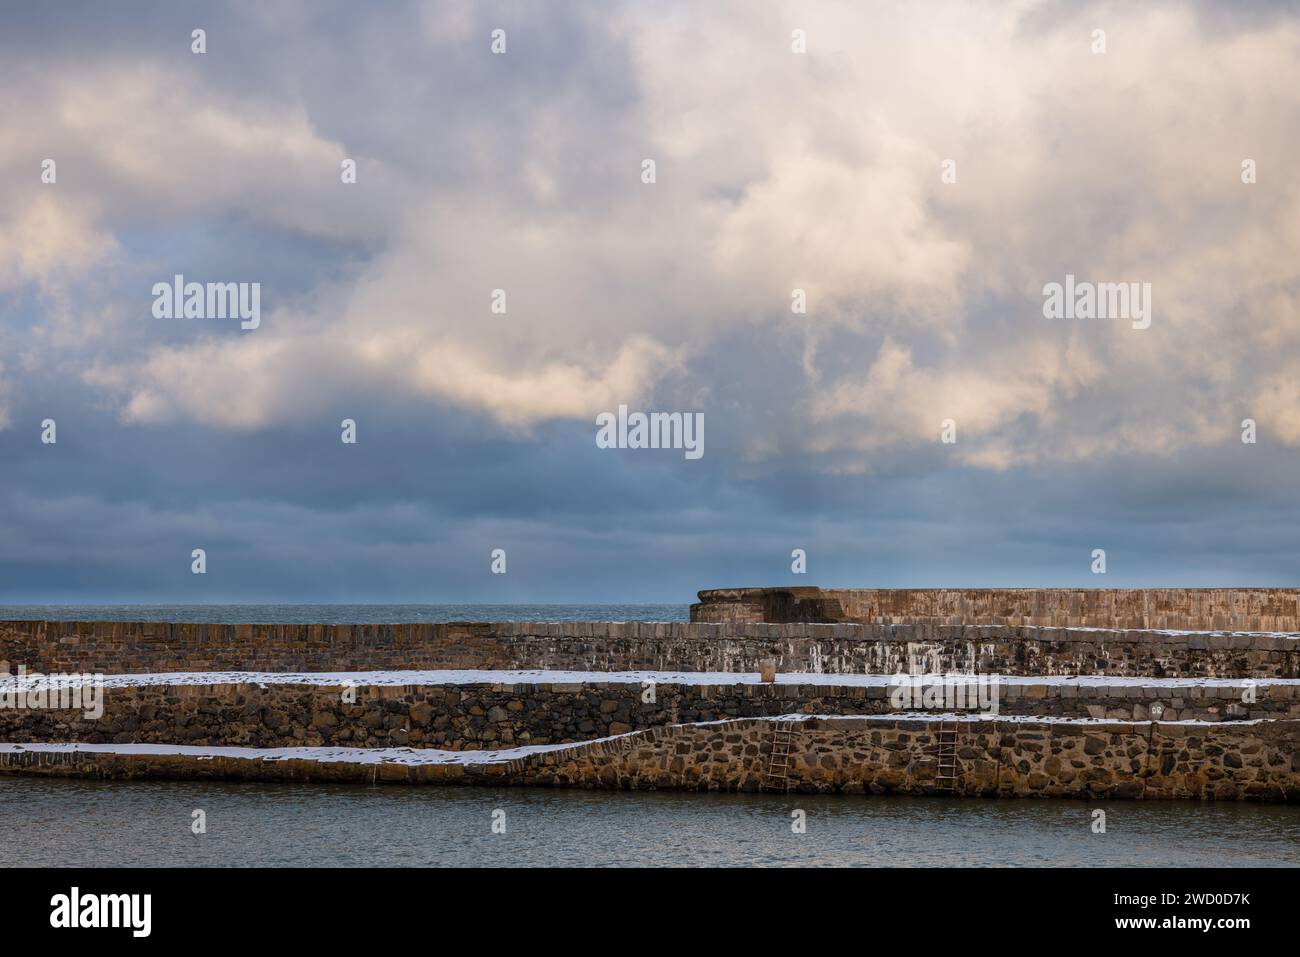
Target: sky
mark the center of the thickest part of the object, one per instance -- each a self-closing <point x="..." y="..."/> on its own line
<point x="916" y="174"/>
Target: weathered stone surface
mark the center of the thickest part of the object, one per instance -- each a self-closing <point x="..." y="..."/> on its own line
<point x="486" y="715"/>
<point x="1198" y="609"/>
<point x="673" y="742"/>
<point x="123" y="648"/>
<point x="865" y="755"/>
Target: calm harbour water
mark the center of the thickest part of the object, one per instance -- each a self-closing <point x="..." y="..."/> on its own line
<point x="65" y="823"/>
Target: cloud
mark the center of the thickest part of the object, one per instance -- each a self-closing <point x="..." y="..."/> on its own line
<point x="49" y="240"/>
<point x="845" y="232"/>
<point x="268" y="381"/>
<point x="776" y="171"/>
<point x="142" y="143"/>
<point x="4" y="398"/>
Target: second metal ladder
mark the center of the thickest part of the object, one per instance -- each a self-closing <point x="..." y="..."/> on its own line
<point x="778" y="762"/>
<point x="949" y="771"/>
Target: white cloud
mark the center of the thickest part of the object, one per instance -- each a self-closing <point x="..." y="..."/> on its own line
<point x="776" y="170"/>
<point x="49" y="239"/>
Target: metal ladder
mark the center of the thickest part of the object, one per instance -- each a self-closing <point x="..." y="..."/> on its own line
<point x="778" y="761"/>
<point x="949" y="772"/>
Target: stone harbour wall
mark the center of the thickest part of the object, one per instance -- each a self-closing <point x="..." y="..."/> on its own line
<point x="1050" y="737"/>
<point x="1196" y="609"/>
<point x="844" y="648"/>
<point x="1097" y="760"/>
<point x="490" y="716"/>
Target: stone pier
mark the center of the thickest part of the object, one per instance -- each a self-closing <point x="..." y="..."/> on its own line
<point x="1145" y="694"/>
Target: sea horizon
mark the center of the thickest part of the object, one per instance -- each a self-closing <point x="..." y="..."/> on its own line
<point x="347" y="613"/>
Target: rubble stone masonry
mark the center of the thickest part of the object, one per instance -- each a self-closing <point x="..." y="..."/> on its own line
<point x="1235" y="762"/>
<point x="487" y="716"/>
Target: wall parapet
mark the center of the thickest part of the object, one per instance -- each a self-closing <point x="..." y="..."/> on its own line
<point x="1196" y="609"/>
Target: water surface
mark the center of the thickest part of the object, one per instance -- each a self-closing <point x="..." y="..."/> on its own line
<point x="69" y="823"/>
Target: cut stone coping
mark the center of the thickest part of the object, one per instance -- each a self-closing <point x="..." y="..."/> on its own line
<point x="580" y="678"/>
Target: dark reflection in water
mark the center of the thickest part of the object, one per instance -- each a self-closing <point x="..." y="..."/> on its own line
<point x="70" y="823"/>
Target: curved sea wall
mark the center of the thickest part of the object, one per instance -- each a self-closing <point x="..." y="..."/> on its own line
<point x="900" y="755"/>
<point x="1199" y="609"/>
<point x="1165" y="693"/>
